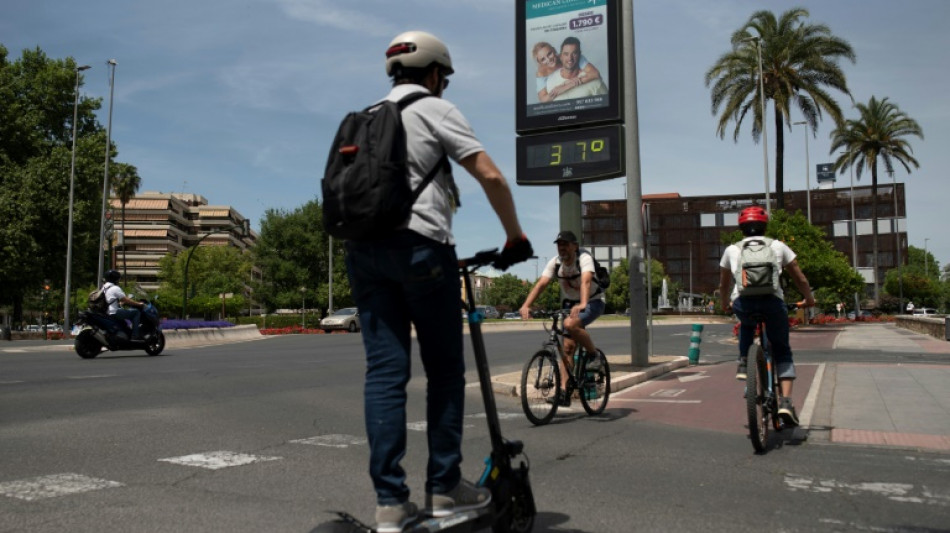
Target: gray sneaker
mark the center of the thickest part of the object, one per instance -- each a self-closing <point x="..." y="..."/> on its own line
<point x="392" y="518"/>
<point x="464" y="497"/>
<point x="786" y="411"/>
<point x="741" y="369"/>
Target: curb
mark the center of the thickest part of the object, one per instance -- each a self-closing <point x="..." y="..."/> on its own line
<point x="193" y="337"/>
<point x="510" y="383"/>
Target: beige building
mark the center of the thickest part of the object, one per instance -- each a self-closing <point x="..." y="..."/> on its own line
<point x="157" y="224"/>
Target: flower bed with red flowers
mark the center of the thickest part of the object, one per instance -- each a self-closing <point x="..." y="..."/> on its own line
<point x="821" y="320"/>
<point x="297" y="330"/>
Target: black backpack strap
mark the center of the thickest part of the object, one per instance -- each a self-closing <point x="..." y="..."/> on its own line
<point x="443" y="162"/>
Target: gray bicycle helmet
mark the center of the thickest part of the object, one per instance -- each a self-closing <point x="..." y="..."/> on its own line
<point x="417" y="49"/>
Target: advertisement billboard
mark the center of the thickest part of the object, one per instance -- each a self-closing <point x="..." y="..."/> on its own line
<point x="567" y="64"/>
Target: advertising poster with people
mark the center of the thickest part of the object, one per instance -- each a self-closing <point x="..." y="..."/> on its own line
<point x="568" y="56"/>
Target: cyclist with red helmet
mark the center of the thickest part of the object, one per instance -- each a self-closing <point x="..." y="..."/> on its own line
<point x="752" y="222"/>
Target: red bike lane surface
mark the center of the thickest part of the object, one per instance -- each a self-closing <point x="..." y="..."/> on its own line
<point x="702" y="396"/>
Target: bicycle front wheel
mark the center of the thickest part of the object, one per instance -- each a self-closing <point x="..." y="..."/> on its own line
<point x="755" y="397"/>
<point x="540" y="387"/>
<point x="595" y="386"/>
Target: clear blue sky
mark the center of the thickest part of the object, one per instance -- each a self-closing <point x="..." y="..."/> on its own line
<point x="237" y="100"/>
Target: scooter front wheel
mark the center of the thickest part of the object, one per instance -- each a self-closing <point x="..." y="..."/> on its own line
<point x="155" y="343"/>
<point x="516" y="504"/>
<point x="86" y="345"/>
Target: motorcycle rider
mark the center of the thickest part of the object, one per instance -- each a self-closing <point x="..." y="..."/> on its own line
<point x="116" y="297"/>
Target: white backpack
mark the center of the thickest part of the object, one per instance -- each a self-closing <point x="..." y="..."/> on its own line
<point x="757" y="272"/>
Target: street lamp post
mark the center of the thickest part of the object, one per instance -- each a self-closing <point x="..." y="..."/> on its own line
<point x="690" y="275"/>
<point x="303" y="307"/>
<point x="330" y="281"/>
<point x="926" y="259"/>
<point x="807" y="171"/>
<point x="897" y="245"/>
<point x="105" y="180"/>
<point x="854" y="229"/>
<point x="765" y="132"/>
<point x="72" y="185"/>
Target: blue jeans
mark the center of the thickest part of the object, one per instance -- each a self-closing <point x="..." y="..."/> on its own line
<point x="776" y="327"/>
<point x="398" y="282"/>
<point x="592" y="312"/>
<point x="133" y="315"/>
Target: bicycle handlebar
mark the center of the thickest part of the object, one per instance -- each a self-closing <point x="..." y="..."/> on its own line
<point x="482" y="258"/>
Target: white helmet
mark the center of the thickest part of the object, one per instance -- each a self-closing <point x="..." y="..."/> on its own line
<point x="417" y="49"/>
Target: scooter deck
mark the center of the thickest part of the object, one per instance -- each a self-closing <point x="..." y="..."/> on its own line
<point x="464" y="522"/>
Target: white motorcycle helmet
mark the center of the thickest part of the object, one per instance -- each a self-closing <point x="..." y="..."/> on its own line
<point x="417" y="49"/>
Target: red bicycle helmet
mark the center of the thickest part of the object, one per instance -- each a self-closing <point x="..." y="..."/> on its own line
<point x="753" y="214"/>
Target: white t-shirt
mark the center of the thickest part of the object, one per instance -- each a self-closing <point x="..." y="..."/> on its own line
<point x="434" y="126"/>
<point x="114" y="295"/>
<point x="730" y="260"/>
<point x="570" y="280"/>
<point x="541" y="82"/>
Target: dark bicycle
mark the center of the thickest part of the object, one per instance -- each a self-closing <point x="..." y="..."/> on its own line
<point x="762" y="393"/>
<point x="541" y="378"/>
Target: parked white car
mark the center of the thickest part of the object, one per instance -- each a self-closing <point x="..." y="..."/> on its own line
<point x="925" y="311"/>
<point x="347" y="318"/>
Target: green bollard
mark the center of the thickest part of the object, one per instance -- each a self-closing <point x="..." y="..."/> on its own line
<point x="694" y="341"/>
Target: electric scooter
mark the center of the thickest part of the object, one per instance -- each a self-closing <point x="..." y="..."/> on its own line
<point x="512" y="507"/>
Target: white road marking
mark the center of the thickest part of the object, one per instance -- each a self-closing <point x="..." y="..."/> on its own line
<point x="332" y="441"/>
<point x="898" y="492"/>
<point x="100" y="376"/>
<point x="667" y="393"/>
<point x="501" y="416"/>
<point x="54" y="485"/>
<point x="651" y="400"/>
<point x="219" y="459"/>
<point x="808" y="408"/>
<point x="423" y="425"/>
<point x="691" y="377"/>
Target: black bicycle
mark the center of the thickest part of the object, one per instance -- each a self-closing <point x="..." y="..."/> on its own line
<point x="762" y="393"/>
<point x="541" y="385"/>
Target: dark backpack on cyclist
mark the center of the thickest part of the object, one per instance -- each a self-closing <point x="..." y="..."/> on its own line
<point x="601" y="274"/>
<point x="366" y="192"/>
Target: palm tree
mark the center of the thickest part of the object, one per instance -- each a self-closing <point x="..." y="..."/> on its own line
<point x="125" y="183"/>
<point x="880" y="133"/>
<point x="798" y="62"/>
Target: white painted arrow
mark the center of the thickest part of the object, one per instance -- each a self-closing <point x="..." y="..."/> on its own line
<point x="692" y="377"/>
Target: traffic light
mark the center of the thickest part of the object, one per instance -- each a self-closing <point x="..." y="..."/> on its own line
<point x="46" y="287"/>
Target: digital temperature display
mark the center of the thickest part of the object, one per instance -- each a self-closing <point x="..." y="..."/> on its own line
<point x="588" y="154"/>
<point x="557" y="154"/>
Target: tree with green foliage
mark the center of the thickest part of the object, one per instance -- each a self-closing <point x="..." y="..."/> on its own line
<point x="508" y="292"/>
<point x="919" y="282"/>
<point x="37" y="95"/>
<point x="125" y="183"/>
<point x="829" y="273"/>
<point x="213" y="271"/>
<point x="799" y="61"/>
<point x="618" y="295"/>
<point x="880" y="133"/>
<point x="292" y="252"/>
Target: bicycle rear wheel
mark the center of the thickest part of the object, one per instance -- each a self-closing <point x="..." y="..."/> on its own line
<point x="755" y="397"/>
<point x="540" y="387"/>
<point x="594" y="389"/>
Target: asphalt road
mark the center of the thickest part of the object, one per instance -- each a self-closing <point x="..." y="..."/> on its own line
<point x="267" y="435"/>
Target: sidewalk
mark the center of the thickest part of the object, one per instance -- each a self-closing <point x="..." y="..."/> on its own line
<point x="905" y="405"/>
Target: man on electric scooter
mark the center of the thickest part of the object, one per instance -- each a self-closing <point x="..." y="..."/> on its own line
<point x="409" y="280"/>
<point x="116" y="297"/>
<point x="574" y="270"/>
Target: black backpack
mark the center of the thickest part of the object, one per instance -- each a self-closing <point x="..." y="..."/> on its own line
<point x="366" y="193"/>
<point x="601" y="274"/>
